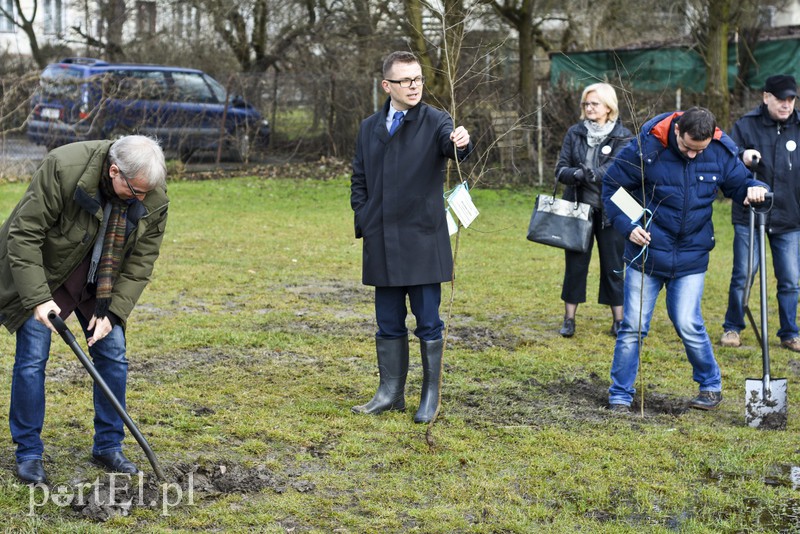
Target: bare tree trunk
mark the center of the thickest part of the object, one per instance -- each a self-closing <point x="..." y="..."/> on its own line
<point x="115" y="17"/>
<point x="440" y="76"/>
<point x="527" y="50"/>
<point x="26" y="25"/>
<point x="716" y="59"/>
<point x="522" y="16"/>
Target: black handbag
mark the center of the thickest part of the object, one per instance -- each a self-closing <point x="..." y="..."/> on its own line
<point x="561" y="223"/>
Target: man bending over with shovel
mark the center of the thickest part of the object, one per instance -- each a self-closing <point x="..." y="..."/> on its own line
<point x="83" y="239"/>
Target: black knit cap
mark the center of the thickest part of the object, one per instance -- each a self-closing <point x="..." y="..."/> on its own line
<point x="781" y="86"/>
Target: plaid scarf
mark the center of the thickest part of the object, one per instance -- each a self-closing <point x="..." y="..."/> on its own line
<point x="106" y="260"/>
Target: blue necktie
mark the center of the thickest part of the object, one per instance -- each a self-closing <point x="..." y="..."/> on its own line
<point x="397" y="119"/>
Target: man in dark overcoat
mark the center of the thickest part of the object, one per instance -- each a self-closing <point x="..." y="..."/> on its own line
<point x="397" y="195"/>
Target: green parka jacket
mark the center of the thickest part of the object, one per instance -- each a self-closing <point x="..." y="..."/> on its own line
<point x="54" y="226"/>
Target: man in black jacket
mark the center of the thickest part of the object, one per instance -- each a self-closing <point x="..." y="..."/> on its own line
<point x="768" y="139"/>
<point x="396" y="194"/>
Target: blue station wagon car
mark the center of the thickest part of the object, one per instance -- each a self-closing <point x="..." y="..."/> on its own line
<point x="186" y="109"/>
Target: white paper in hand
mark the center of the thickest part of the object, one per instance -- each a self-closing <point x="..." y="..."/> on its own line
<point x="629" y="206"/>
<point x="461" y="204"/>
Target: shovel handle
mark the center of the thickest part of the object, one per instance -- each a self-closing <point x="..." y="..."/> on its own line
<point x="760" y="213"/>
<point x="768" y="197"/>
<point x="749" y="275"/>
<point x="61" y="327"/>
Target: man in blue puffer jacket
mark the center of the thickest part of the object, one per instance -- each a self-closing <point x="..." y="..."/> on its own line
<point x="674" y="169"/>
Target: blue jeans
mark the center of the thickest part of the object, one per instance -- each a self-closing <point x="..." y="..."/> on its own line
<point x="785" y="250"/>
<point x="683" y="306"/>
<point x="26" y="415"/>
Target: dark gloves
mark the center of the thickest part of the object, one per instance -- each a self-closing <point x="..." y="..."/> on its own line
<point x="577" y="175"/>
<point x="588" y="175"/>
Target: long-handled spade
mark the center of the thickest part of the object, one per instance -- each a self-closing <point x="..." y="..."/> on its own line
<point x="765" y="397"/>
<point x="67" y="336"/>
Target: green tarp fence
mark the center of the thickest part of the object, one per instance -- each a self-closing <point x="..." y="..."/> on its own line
<point x="669" y="68"/>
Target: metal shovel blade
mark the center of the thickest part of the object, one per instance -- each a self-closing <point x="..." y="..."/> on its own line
<point x="765" y="405"/>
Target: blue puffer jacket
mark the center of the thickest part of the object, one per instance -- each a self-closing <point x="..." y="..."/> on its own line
<point x="678" y="191"/>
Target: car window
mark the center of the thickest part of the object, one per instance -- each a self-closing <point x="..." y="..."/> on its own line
<point x="59" y="81"/>
<point x="191" y="87"/>
<point x="216" y="87"/>
<point x="136" y="85"/>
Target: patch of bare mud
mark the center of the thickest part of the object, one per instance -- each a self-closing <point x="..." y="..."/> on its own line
<point x="213" y="356"/>
<point x="593" y="392"/>
<point x="565" y="402"/>
<point x="480" y="338"/>
<point x="115" y="494"/>
<point x="348" y="324"/>
<point x="334" y="292"/>
<point x="69" y="372"/>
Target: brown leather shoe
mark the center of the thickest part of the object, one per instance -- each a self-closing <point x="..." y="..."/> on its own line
<point x="791" y="344"/>
<point x="730" y="339"/>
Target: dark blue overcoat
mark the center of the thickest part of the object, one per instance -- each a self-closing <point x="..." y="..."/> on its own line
<point x="396" y="193"/>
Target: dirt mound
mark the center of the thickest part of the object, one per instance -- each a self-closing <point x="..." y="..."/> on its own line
<point x="114" y="494"/>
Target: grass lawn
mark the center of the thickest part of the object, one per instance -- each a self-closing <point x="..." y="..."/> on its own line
<point x="255" y="338"/>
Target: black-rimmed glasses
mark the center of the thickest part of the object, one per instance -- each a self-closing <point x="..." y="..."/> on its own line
<point x="405" y="83"/>
<point x="134" y="192"/>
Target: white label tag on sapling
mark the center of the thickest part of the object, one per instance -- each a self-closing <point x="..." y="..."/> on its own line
<point x="452" y="227"/>
<point x="461" y="203"/>
<point x="627" y="204"/>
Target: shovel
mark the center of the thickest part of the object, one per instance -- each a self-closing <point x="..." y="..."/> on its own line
<point x="67" y="336"/>
<point x="765" y="397"/>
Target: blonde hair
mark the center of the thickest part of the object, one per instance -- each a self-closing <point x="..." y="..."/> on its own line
<point x="607" y="97"/>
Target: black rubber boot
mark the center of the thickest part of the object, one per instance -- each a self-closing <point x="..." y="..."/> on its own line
<point x="431" y="380"/>
<point x="393" y="369"/>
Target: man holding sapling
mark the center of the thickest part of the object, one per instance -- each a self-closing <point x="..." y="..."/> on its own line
<point x="673" y="170"/>
<point x="396" y="194"/>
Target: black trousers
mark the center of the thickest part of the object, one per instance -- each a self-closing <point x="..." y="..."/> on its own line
<point x="610" y="247"/>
